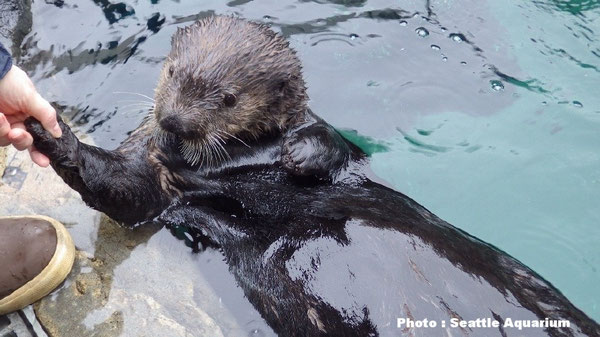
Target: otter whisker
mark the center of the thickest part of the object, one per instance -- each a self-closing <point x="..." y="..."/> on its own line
<point x="134" y="93"/>
<point x="220" y="142"/>
<point x="216" y="145"/>
<point x="211" y="142"/>
<point x="207" y="155"/>
<point x="137" y="105"/>
<point x="213" y="151"/>
<point x="144" y="105"/>
<point x="161" y="96"/>
<point x="160" y="137"/>
<point x="219" y="138"/>
<point x="134" y="101"/>
<point x="208" y="151"/>
<point x="236" y="138"/>
<point x="203" y="153"/>
<point x="134" y="112"/>
<point x="192" y="151"/>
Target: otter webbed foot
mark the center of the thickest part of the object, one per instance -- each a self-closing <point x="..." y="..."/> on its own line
<point x="185" y="223"/>
<point x="315" y="150"/>
<point x="211" y="227"/>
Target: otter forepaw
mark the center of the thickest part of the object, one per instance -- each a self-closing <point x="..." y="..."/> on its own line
<point x="54" y="148"/>
<point x="296" y="156"/>
<point x="314" y="151"/>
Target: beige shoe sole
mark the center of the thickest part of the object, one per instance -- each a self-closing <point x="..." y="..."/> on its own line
<point x="51" y="276"/>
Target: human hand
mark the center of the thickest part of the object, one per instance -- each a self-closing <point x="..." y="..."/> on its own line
<point x="19" y="100"/>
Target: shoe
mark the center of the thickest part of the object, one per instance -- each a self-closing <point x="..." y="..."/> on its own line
<point x="36" y="255"/>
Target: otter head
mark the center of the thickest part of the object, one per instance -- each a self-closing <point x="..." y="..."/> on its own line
<point x="226" y="78"/>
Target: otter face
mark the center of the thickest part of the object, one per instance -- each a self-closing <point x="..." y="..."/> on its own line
<point x="226" y="78"/>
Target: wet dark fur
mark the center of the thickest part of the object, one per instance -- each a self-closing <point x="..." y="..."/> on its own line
<point x="319" y="249"/>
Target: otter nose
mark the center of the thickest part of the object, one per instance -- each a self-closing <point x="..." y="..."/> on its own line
<point x="171" y="123"/>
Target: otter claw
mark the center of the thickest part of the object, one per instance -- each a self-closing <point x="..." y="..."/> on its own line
<point x="314" y="151"/>
<point x="303" y="157"/>
<point x="293" y="159"/>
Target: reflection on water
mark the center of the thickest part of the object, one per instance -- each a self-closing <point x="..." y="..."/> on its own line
<point x="486" y="113"/>
<point x="575" y="7"/>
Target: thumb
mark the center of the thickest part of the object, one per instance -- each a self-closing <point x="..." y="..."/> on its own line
<point x="41" y="110"/>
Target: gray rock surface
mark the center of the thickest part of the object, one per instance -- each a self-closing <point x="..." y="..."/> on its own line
<point x="125" y="282"/>
<point x="2" y="160"/>
<point x="104" y="296"/>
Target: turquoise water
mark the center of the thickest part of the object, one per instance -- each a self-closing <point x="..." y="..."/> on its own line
<point x="485" y="112"/>
<point x="527" y="177"/>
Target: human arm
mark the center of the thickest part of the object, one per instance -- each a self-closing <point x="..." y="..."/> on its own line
<point x="18" y="100"/>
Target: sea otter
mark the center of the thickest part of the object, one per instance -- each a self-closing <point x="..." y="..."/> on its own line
<point x="227" y="88"/>
<point x="233" y="153"/>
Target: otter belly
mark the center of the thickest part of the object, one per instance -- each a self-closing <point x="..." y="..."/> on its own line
<point x="363" y="260"/>
<point x="399" y="276"/>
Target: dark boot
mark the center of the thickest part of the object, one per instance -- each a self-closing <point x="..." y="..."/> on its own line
<point x="36" y="254"/>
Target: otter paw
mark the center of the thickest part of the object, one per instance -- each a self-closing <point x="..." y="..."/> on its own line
<point x="317" y="151"/>
<point x="44" y="142"/>
<point x="297" y="157"/>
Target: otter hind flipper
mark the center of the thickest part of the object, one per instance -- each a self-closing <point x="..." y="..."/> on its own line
<point x="213" y="226"/>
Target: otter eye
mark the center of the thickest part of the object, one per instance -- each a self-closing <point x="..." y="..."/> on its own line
<point x="171" y="71"/>
<point x="229" y="100"/>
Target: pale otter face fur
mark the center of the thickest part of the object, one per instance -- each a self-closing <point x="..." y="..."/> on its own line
<point x="227" y="79"/>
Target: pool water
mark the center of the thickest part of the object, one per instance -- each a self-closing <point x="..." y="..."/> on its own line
<point x="485" y="112"/>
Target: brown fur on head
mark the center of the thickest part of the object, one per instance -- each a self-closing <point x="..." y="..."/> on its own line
<point x="227" y="77"/>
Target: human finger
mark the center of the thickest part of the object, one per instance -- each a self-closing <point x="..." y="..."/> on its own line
<point x="20" y="138"/>
<point x="39" y="158"/>
<point x="4" y="130"/>
<point x="40" y="109"/>
<point x="15" y="117"/>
